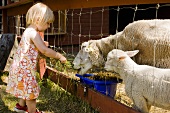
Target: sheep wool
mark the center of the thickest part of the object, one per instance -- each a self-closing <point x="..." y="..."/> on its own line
<point x="151" y="37"/>
<point x="144" y="85"/>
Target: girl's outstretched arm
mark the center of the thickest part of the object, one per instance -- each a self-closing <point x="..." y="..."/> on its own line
<point x="39" y="43"/>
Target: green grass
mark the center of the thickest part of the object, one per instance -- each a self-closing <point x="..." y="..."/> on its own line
<point x="52" y="99"/>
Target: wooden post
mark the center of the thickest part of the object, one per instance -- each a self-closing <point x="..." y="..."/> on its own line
<point x="4" y="21"/>
<point x="42" y="61"/>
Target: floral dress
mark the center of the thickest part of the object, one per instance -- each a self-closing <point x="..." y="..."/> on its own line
<point x="22" y="75"/>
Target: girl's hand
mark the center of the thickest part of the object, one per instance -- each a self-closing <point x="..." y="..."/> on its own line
<point x="63" y="59"/>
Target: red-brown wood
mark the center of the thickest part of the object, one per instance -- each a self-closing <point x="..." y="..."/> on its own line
<point x="42" y="61"/>
<point x="15" y="4"/>
<point x="21" y="9"/>
<point x="76" y="4"/>
<point x="103" y="103"/>
<point x="42" y="67"/>
<point x="4" y="21"/>
<point x="9" y="2"/>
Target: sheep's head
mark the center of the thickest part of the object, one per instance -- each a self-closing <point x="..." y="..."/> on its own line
<point x="95" y="54"/>
<point x="116" y="57"/>
<point x="88" y="56"/>
<point x="82" y="60"/>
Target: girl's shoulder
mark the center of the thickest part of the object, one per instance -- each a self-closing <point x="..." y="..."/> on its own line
<point x="29" y="33"/>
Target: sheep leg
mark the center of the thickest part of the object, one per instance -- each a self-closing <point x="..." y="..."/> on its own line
<point x="140" y="103"/>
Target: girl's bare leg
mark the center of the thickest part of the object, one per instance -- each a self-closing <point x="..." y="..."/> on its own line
<point x="22" y="102"/>
<point x="31" y="104"/>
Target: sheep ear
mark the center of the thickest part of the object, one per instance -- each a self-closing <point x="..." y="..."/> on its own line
<point x="122" y="57"/>
<point x="132" y="53"/>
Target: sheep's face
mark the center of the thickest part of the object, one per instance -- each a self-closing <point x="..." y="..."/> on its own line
<point x="116" y="59"/>
<point x="82" y="60"/>
<point x="112" y="61"/>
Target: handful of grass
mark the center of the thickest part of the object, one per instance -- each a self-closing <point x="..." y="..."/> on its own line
<point x="62" y="67"/>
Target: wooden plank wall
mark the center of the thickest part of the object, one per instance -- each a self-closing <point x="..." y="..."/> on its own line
<point x="76" y="4"/>
<point x="69" y="43"/>
<point x="82" y="25"/>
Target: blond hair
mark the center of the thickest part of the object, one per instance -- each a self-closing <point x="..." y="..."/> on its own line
<point x="39" y="13"/>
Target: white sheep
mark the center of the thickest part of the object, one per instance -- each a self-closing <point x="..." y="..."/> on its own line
<point x="83" y="63"/>
<point x="145" y="85"/>
<point x="151" y="37"/>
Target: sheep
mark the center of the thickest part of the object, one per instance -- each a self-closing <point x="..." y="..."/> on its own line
<point x="145" y="85"/>
<point x="83" y="62"/>
<point x="151" y="37"/>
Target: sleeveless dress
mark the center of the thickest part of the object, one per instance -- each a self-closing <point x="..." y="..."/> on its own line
<point x="22" y="74"/>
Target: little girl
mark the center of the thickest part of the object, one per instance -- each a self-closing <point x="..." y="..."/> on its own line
<point x="22" y="75"/>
